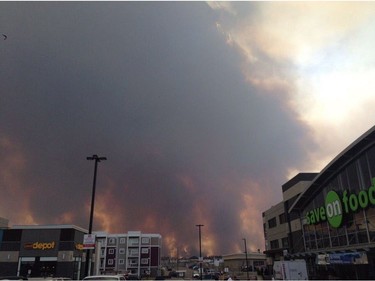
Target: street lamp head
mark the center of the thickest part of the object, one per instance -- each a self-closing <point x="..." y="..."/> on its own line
<point x="96" y="158"/>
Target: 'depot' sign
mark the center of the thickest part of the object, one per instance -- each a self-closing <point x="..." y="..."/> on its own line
<point x="40" y="246"/>
<point x="336" y="207"/>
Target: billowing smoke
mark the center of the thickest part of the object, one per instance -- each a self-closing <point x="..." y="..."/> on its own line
<point x="157" y="89"/>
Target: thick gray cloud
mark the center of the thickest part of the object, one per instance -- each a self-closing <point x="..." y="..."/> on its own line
<point x="153" y="87"/>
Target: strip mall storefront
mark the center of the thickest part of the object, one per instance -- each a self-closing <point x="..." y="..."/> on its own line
<point x="337" y="212"/>
<point x="35" y="251"/>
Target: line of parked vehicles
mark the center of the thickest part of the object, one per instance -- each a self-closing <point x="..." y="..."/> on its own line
<point x="88" y="278"/>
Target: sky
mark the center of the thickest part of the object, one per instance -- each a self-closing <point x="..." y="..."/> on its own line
<point x="203" y="110"/>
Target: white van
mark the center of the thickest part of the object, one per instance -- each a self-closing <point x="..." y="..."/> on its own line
<point x="290" y="270"/>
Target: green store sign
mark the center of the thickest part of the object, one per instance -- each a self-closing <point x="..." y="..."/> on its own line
<point x="335" y="207"/>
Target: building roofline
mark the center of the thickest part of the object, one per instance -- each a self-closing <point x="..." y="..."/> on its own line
<point x="362" y="143"/>
<point x="49" y="226"/>
<point x="298" y="178"/>
<point x="250" y="254"/>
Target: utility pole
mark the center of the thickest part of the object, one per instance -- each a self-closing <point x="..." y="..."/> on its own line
<point x="88" y="255"/>
<point x="177" y="259"/>
<point x="247" y="264"/>
<point x="200" y="251"/>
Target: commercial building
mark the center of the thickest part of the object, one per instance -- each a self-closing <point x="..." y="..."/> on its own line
<point x="57" y="250"/>
<point x="34" y="251"/>
<point x="134" y="253"/>
<point x="277" y="230"/>
<point x="240" y="265"/>
<point x="332" y="222"/>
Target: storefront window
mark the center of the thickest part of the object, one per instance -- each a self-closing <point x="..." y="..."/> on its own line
<point x="364" y="171"/>
<point x="352" y="175"/>
<point x="358" y="226"/>
<point x="26" y="266"/>
<point x="334" y="237"/>
<point x="38" y="266"/>
<point x="319" y="198"/>
<point x="326" y="235"/>
<point x="361" y="227"/>
<point x="343" y="180"/>
<point x="371" y="223"/>
<point x="310" y="237"/>
<point x="371" y="159"/>
<point x="342" y="237"/>
<point x="334" y="185"/>
<point x="319" y="236"/>
<point x="356" y="229"/>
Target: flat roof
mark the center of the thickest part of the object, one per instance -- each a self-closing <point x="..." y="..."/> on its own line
<point x="49" y="226"/>
<point x="126" y="234"/>
<point x="250" y="255"/>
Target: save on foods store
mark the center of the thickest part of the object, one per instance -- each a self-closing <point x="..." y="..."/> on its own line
<point x="337" y="214"/>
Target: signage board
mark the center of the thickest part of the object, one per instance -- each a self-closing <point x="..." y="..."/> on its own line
<point x="348" y="258"/>
<point x="338" y="204"/>
<point x="342" y="258"/>
<point x="88" y="241"/>
<point x="40" y="246"/>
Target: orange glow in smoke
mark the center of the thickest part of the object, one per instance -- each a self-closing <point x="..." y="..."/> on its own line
<point x="104" y="218"/>
<point x="66" y="218"/>
<point x="12" y="166"/>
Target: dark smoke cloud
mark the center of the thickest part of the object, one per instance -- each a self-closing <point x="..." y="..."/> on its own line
<point x="155" y="89"/>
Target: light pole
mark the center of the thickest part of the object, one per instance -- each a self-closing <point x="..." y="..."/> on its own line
<point x="88" y="256"/>
<point x="247" y="264"/>
<point x="200" y="251"/>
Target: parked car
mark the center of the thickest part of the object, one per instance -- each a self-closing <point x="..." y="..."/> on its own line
<point x="211" y="276"/>
<point x="12" y="278"/>
<point x="105" y="277"/>
<point x="132" y="277"/>
<point x="56" y="278"/>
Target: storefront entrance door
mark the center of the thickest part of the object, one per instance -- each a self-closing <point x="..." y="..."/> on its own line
<point x="38" y="266"/>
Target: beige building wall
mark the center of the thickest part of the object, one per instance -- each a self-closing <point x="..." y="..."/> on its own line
<point x="295" y="189"/>
<point x="289" y="194"/>
<point x="278" y="232"/>
<point x="234" y="262"/>
<point x="278" y="229"/>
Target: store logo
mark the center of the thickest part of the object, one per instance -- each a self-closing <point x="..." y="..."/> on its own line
<point x="40" y="246"/>
<point x="335" y="207"/>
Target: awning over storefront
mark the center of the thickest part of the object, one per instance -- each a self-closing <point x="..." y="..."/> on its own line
<point x="355" y="256"/>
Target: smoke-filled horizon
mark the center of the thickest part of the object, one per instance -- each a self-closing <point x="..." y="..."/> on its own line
<point x="203" y="111"/>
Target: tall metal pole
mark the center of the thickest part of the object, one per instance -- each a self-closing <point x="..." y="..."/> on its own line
<point x="200" y="251"/>
<point x="177" y="259"/>
<point x="247" y="264"/>
<point x="88" y="255"/>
